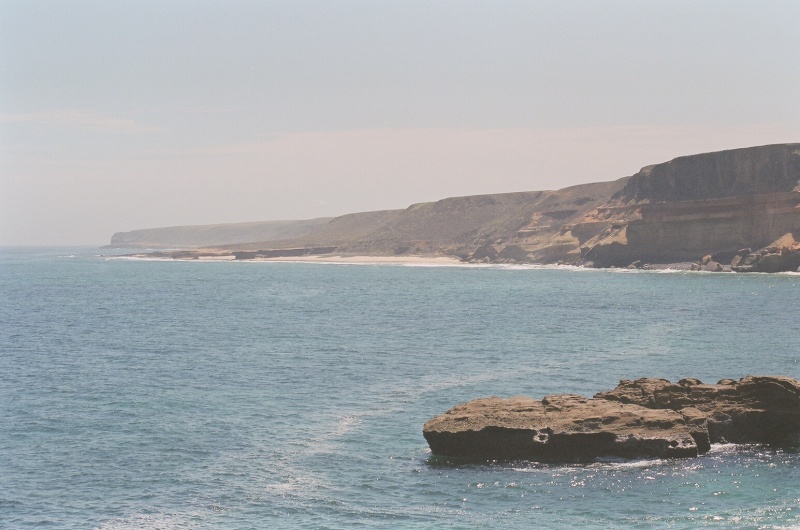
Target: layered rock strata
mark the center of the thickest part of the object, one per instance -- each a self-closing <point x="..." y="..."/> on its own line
<point x="667" y="232"/>
<point x="646" y="418"/>
<point x="677" y="211"/>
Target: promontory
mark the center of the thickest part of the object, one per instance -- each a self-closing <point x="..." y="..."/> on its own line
<point x="737" y="210"/>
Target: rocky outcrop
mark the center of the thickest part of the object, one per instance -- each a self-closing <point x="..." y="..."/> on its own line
<point x="646" y="418"/>
<point x="755" y="409"/>
<point x="782" y="255"/>
<point x="561" y="428"/>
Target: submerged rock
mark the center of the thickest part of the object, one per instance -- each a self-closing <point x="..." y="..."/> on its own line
<point x="646" y="418"/>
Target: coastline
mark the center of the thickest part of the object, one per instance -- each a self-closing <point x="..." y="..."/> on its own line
<point x="386" y="260"/>
<point x="418" y="261"/>
<point x="328" y="258"/>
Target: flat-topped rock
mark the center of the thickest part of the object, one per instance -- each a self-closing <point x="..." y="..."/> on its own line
<point x="563" y="428"/>
<point x="645" y="418"/>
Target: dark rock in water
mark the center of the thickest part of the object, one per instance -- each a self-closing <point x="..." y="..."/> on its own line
<point x="646" y="418"/>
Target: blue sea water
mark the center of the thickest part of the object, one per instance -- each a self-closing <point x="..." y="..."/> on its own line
<point x="153" y="394"/>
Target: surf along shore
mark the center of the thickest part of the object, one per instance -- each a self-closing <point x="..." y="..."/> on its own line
<point x="216" y="255"/>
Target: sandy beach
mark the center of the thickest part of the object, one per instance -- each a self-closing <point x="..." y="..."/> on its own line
<point x="390" y="260"/>
<point x="325" y="258"/>
<point x="385" y="260"/>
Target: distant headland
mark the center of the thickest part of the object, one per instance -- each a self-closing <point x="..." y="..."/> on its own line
<point x="736" y="210"/>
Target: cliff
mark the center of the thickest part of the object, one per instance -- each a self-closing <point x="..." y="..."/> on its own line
<point x="736" y="172"/>
<point x="714" y="203"/>
<point x="693" y="206"/>
<point x="458" y="226"/>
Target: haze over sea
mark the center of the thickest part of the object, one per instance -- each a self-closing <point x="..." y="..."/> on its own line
<point x="158" y="394"/>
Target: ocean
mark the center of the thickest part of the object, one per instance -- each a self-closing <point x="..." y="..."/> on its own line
<point x="234" y="395"/>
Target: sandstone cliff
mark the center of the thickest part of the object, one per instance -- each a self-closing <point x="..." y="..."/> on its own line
<point x="712" y="204"/>
<point x="458" y="226"/>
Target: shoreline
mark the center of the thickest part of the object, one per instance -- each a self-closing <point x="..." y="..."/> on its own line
<point x="332" y="259"/>
<point x="419" y="261"/>
<point x="388" y="260"/>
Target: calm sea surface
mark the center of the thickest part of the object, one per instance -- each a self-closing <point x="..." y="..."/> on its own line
<point x="146" y="394"/>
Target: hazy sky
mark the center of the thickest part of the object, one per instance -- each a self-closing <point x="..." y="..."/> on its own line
<point x="134" y="114"/>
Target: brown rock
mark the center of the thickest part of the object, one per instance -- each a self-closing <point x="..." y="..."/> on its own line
<point x="561" y="428"/>
<point x="755" y="409"/>
<point x="782" y="255"/>
<point x="645" y="418"/>
<point x="697" y="421"/>
<point x="513" y="253"/>
<point x="712" y="266"/>
<point x="485" y="251"/>
<point x="740" y="255"/>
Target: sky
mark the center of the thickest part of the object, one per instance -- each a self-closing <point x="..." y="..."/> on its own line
<point x="122" y="115"/>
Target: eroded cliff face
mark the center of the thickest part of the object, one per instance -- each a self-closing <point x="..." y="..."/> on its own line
<point x="682" y="210"/>
<point x="708" y="204"/>
<point x="688" y="230"/>
<point x="732" y="173"/>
